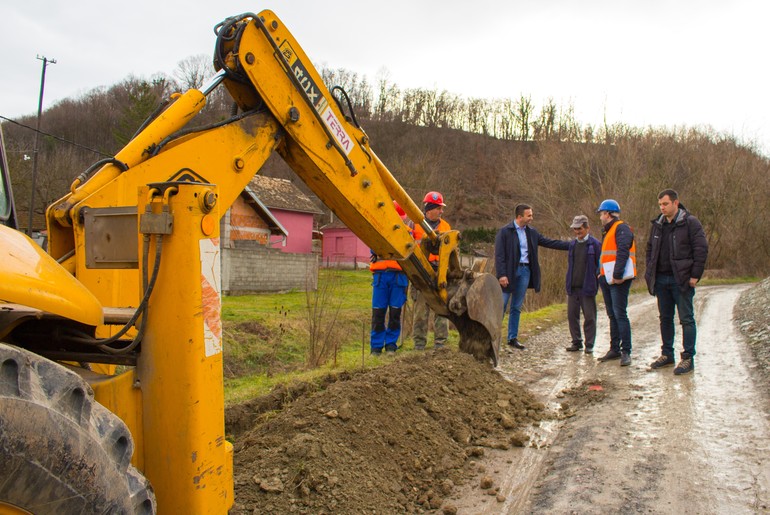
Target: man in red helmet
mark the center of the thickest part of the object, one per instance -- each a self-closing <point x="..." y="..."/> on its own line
<point x="389" y="285"/>
<point x="433" y="203"/>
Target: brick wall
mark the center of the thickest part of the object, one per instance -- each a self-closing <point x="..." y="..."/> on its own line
<point x="249" y="267"/>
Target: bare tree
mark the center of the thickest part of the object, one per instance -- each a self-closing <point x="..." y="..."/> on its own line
<point x="524" y="110"/>
<point x="193" y="71"/>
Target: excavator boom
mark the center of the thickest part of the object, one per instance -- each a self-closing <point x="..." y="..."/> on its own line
<point x="132" y="274"/>
<point x="331" y="153"/>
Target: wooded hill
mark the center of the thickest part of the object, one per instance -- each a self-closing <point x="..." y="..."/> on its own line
<point x="484" y="156"/>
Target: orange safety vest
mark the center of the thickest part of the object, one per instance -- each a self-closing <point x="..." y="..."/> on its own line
<point x="443" y="226"/>
<point x="610" y="249"/>
<point x="384" y="264"/>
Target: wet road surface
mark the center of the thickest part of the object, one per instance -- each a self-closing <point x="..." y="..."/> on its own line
<point x="658" y="443"/>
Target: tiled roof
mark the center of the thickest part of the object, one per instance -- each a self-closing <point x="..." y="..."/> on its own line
<point x="336" y="224"/>
<point x="282" y="194"/>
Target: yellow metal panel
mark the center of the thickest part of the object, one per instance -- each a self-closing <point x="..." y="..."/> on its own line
<point x="31" y="277"/>
<point x="228" y="156"/>
<point x="180" y="368"/>
<point x="120" y="394"/>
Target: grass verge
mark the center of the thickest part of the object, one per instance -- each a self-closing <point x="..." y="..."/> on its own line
<point x="266" y="336"/>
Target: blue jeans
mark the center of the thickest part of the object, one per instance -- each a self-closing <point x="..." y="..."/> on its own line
<point x="520" y="283"/>
<point x="616" y="303"/>
<point x="669" y="297"/>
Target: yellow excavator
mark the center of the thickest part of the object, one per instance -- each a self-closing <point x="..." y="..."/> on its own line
<point x="111" y="388"/>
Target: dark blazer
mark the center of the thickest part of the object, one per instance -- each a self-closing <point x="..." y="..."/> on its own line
<point x="508" y="254"/>
<point x="590" y="282"/>
<point x="689" y="250"/>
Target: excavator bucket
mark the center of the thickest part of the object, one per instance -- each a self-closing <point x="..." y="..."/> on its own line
<point x="476" y="307"/>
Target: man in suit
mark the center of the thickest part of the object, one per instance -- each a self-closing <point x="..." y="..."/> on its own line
<point x="517" y="267"/>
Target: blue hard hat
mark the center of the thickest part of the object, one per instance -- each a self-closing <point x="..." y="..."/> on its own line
<point x="609" y="205"/>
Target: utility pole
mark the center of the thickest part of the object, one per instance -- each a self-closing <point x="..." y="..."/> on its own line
<point x="46" y="62"/>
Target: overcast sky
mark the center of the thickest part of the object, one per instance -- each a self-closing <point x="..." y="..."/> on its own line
<point x="641" y="62"/>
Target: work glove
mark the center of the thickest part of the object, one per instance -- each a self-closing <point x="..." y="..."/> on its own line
<point x="373" y="257"/>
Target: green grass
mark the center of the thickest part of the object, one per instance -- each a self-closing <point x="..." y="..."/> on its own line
<point x="728" y="280"/>
<point x="266" y="336"/>
<point x="533" y="322"/>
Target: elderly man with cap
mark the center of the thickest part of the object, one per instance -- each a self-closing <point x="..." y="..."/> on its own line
<point x="582" y="284"/>
<point x="433" y="203"/>
<point x="616" y="271"/>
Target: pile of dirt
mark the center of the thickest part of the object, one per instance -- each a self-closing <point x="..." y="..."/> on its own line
<point x="753" y="319"/>
<point x="394" y="439"/>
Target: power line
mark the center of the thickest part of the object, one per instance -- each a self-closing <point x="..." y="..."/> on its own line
<point x="58" y="138"/>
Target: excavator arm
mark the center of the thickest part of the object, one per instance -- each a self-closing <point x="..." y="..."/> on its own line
<point x="331" y="153"/>
<point x="138" y="237"/>
<point x="269" y="75"/>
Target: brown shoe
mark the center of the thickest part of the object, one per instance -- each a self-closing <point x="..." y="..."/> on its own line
<point x="611" y="354"/>
<point x="662" y="361"/>
<point x="685" y="366"/>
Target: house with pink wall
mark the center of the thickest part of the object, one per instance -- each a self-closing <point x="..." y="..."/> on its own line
<point x="342" y="248"/>
<point x="292" y="209"/>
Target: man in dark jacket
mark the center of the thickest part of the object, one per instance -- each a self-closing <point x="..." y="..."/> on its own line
<point x="516" y="264"/>
<point x="676" y="258"/>
<point x="582" y="284"/>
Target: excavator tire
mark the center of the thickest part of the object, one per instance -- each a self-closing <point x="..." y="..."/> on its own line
<point x="61" y="451"/>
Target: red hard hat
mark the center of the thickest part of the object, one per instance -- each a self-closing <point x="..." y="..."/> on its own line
<point x="434" y="197"/>
<point x="399" y="210"/>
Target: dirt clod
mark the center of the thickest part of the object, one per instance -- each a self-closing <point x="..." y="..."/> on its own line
<point x="395" y="439"/>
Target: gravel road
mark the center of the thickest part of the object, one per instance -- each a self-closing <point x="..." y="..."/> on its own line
<point x="631" y="440"/>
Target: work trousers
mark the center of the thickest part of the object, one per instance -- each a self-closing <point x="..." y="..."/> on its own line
<point x="422" y="314"/>
<point x="388" y="297"/>
<point x="587" y="303"/>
